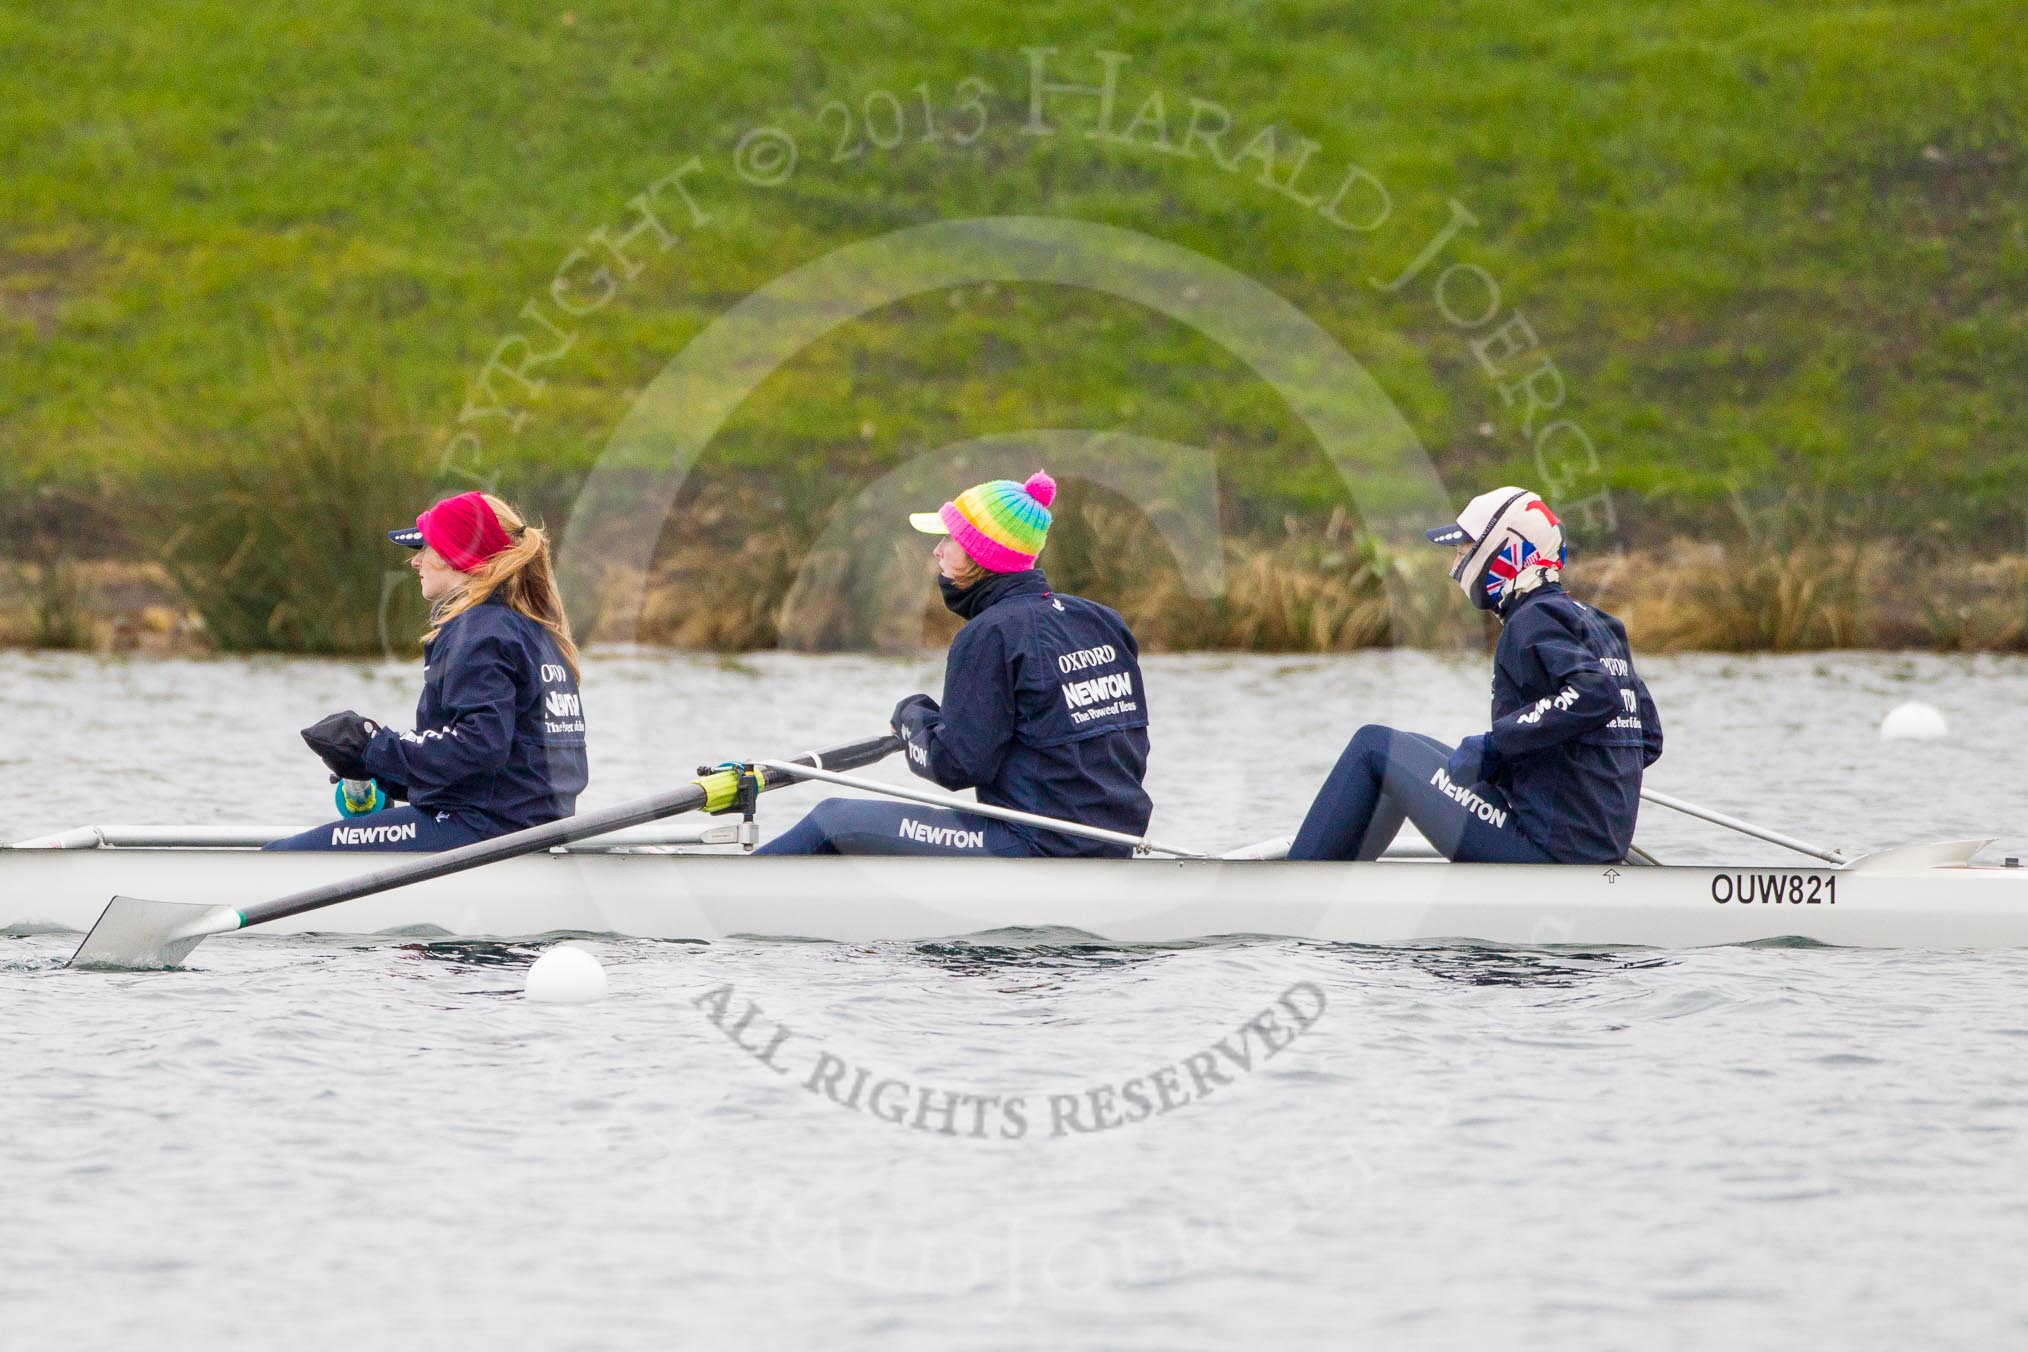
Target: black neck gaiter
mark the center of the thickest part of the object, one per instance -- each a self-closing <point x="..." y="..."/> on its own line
<point x="965" y="602"/>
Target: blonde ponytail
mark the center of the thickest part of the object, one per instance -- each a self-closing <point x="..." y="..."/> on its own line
<point x="522" y="573"/>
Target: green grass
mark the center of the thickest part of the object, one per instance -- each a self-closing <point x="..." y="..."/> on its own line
<point x="1771" y="248"/>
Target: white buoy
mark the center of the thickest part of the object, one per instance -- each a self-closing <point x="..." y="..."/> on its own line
<point x="1913" y="722"/>
<point x="567" y="976"/>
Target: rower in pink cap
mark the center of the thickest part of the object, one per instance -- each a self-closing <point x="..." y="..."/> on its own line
<point x="1043" y="709"/>
<point x="499" y="737"/>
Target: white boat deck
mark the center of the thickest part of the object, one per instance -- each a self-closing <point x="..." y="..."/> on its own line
<point x="1921" y="897"/>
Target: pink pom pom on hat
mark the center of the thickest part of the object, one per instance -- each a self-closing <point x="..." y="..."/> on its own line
<point x="1001" y="524"/>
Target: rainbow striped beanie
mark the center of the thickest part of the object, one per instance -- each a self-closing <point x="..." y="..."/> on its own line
<point x="1001" y="524"/>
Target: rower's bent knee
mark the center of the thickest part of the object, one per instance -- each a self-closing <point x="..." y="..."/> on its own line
<point x="1374" y="736"/>
<point x="1373" y="744"/>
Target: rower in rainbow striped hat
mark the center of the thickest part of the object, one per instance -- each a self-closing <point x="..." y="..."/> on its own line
<point x="1043" y="709"/>
<point x="1001" y="525"/>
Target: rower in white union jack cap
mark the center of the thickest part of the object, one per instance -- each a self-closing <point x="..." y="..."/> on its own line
<point x="1558" y="778"/>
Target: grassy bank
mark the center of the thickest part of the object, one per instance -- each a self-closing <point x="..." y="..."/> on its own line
<point x="1761" y="244"/>
<point x="1771" y="251"/>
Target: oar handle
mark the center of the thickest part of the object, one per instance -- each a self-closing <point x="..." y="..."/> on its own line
<point x="710" y="791"/>
<point x="854" y="756"/>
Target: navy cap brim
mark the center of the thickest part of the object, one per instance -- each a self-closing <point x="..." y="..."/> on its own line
<point x="1453" y="534"/>
<point x="409" y="537"/>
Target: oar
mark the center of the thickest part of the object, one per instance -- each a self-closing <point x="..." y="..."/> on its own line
<point x="931" y="798"/>
<point x="137" y="933"/>
<point x="1746" y="828"/>
<point x="1278" y="847"/>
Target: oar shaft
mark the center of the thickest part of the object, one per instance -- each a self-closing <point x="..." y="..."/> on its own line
<point x="548" y="836"/>
<point x="1743" y="827"/>
<point x="931" y="798"/>
<point x="528" y="841"/>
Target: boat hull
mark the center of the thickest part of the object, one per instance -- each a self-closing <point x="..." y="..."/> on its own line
<point x="712" y="896"/>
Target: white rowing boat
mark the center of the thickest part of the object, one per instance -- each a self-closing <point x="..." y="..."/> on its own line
<point x="654" y="883"/>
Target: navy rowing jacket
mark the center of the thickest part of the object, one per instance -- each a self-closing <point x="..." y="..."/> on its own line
<point x="1043" y="712"/>
<point x="499" y="729"/>
<point x="1573" y="727"/>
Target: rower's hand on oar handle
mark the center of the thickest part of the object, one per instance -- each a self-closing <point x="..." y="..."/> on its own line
<point x="1475" y="761"/>
<point x="340" y="742"/>
<point x="911" y="712"/>
<point x="909" y="718"/>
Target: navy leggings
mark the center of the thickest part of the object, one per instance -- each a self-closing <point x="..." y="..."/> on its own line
<point x="404" y="828"/>
<point x="869" y="826"/>
<point x="1385" y="775"/>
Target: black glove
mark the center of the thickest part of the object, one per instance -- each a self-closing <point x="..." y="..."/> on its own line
<point x="340" y="742"/>
<point x="910" y="712"/>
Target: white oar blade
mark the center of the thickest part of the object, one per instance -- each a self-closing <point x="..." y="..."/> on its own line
<point x="1919" y="858"/>
<point x="134" y="934"/>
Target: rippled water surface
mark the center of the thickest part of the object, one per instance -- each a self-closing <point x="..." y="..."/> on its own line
<point x="325" y="1143"/>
